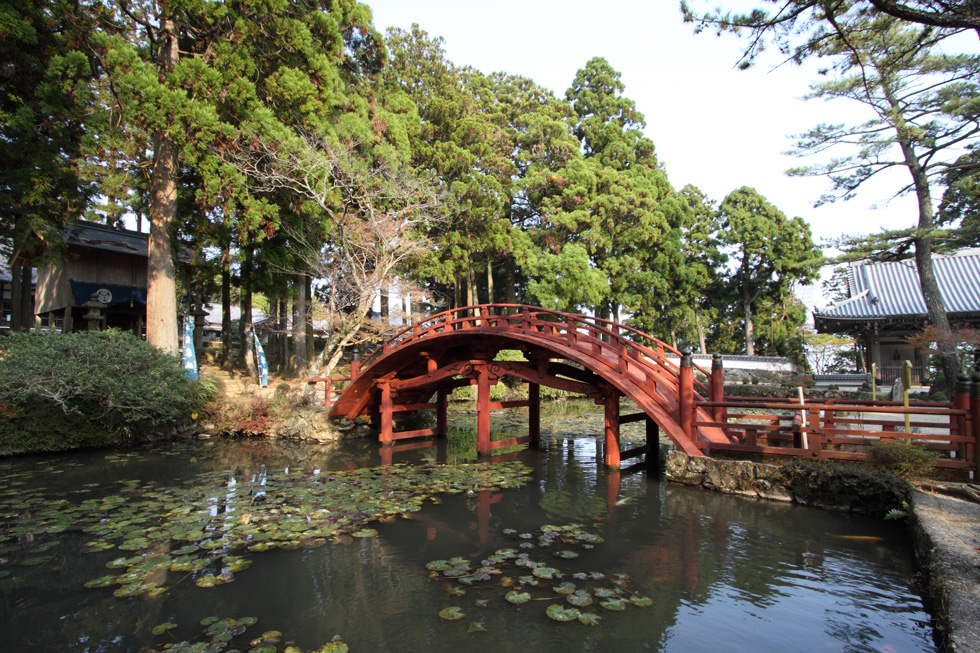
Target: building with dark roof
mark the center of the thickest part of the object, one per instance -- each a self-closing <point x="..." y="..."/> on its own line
<point x="885" y="306"/>
<point x="96" y="261"/>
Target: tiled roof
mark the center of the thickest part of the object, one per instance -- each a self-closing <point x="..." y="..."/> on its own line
<point x="98" y="236"/>
<point x="891" y="289"/>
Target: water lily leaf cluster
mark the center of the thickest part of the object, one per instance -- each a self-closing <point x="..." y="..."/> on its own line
<point x="154" y="535"/>
<point x="521" y="579"/>
<point x="220" y="634"/>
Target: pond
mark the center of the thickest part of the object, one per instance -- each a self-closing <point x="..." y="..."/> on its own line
<point x="545" y="551"/>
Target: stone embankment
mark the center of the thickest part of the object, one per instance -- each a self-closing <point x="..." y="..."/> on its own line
<point x="297" y="416"/>
<point x="945" y="523"/>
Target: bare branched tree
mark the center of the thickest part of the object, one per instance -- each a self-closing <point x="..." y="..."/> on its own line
<point x="376" y="221"/>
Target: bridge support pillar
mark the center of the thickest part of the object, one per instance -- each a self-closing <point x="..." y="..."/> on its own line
<point x="653" y="446"/>
<point x="442" y="412"/>
<point x="611" y="402"/>
<point x="482" y="409"/>
<point x="685" y="395"/>
<point x="534" y="413"/>
<point x="387" y="410"/>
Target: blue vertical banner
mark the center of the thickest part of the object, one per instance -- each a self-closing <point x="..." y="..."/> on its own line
<point x="263" y="362"/>
<point x="190" y="358"/>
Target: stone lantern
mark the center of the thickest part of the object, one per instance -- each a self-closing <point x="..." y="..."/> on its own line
<point x="93" y="317"/>
<point x="198" y="312"/>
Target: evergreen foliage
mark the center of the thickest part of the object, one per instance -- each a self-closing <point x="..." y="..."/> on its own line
<point x="87" y="389"/>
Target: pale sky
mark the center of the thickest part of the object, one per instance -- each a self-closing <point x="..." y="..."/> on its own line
<point x="714" y="126"/>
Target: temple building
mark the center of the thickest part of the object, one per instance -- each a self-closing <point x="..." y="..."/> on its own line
<point x="885" y="306"/>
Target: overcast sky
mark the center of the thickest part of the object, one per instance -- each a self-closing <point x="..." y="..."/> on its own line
<point x="714" y="126"/>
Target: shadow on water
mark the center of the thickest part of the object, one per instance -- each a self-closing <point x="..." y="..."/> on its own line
<point x="723" y="573"/>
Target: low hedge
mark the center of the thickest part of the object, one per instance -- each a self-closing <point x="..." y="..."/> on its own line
<point x="94" y="388"/>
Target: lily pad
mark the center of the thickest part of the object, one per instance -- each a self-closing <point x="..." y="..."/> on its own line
<point x="160" y="629"/>
<point x="614" y="604"/>
<point x="517" y="597"/>
<point x="365" y="532"/>
<point x="589" y="619"/>
<point x="559" y="612"/>
<point x="566" y="554"/>
<point x="546" y="572"/>
<point x="476" y="627"/>
<point x="453" y="613"/>
<point x="579" y="598"/>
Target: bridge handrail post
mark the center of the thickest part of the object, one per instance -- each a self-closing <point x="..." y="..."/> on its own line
<point x="961" y="401"/>
<point x="718" y="387"/>
<point x="685" y="395"/>
<point x="974" y="448"/>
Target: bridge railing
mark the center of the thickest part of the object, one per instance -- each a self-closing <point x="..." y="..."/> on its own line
<point x="844" y="431"/>
<point x="603" y="337"/>
<point x="328" y="386"/>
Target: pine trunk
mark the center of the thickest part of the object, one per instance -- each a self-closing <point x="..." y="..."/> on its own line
<point x="161" y="291"/>
<point x="749" y="327"/>
<point x="299" y="361"/>
<point x="489" y="280"/>
<point x="226" y="356"/>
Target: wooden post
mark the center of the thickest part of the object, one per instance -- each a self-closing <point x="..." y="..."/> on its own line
<point x="718" y="387"/>
<point x="534" y="413"/>
<point x="442" y="412"/>
<point x="974" y="448"/>
<point x="961" y="399"/>
<point x="611" y="402"/>
<point x="386" y="413"/>
<point x="327" y="388"/>
<point x="482" y="409"/>
<point x="653" y="446"/>
<point x="685" y="395"/>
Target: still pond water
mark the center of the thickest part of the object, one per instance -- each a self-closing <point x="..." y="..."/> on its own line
<point x="662" y="567"/>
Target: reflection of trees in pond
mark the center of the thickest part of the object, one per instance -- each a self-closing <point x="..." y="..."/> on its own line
<point x="246" y="455"/>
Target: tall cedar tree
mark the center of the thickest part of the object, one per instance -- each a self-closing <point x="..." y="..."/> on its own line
<point x="629" y="222"/>
<point x="768" y="250"/>
<point x="190" y="73"/>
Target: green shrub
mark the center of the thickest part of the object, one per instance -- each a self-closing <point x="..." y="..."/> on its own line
<point x="852" y="487"/>
<point x="64" y="391"/>
<point x="902" y="458"/>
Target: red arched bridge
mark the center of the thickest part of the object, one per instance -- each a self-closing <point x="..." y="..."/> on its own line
<point x="606" y="361"/>
<point x="576" y="353"/>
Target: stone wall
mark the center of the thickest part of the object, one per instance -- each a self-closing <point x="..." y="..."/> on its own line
<point x="742" y="477"/>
